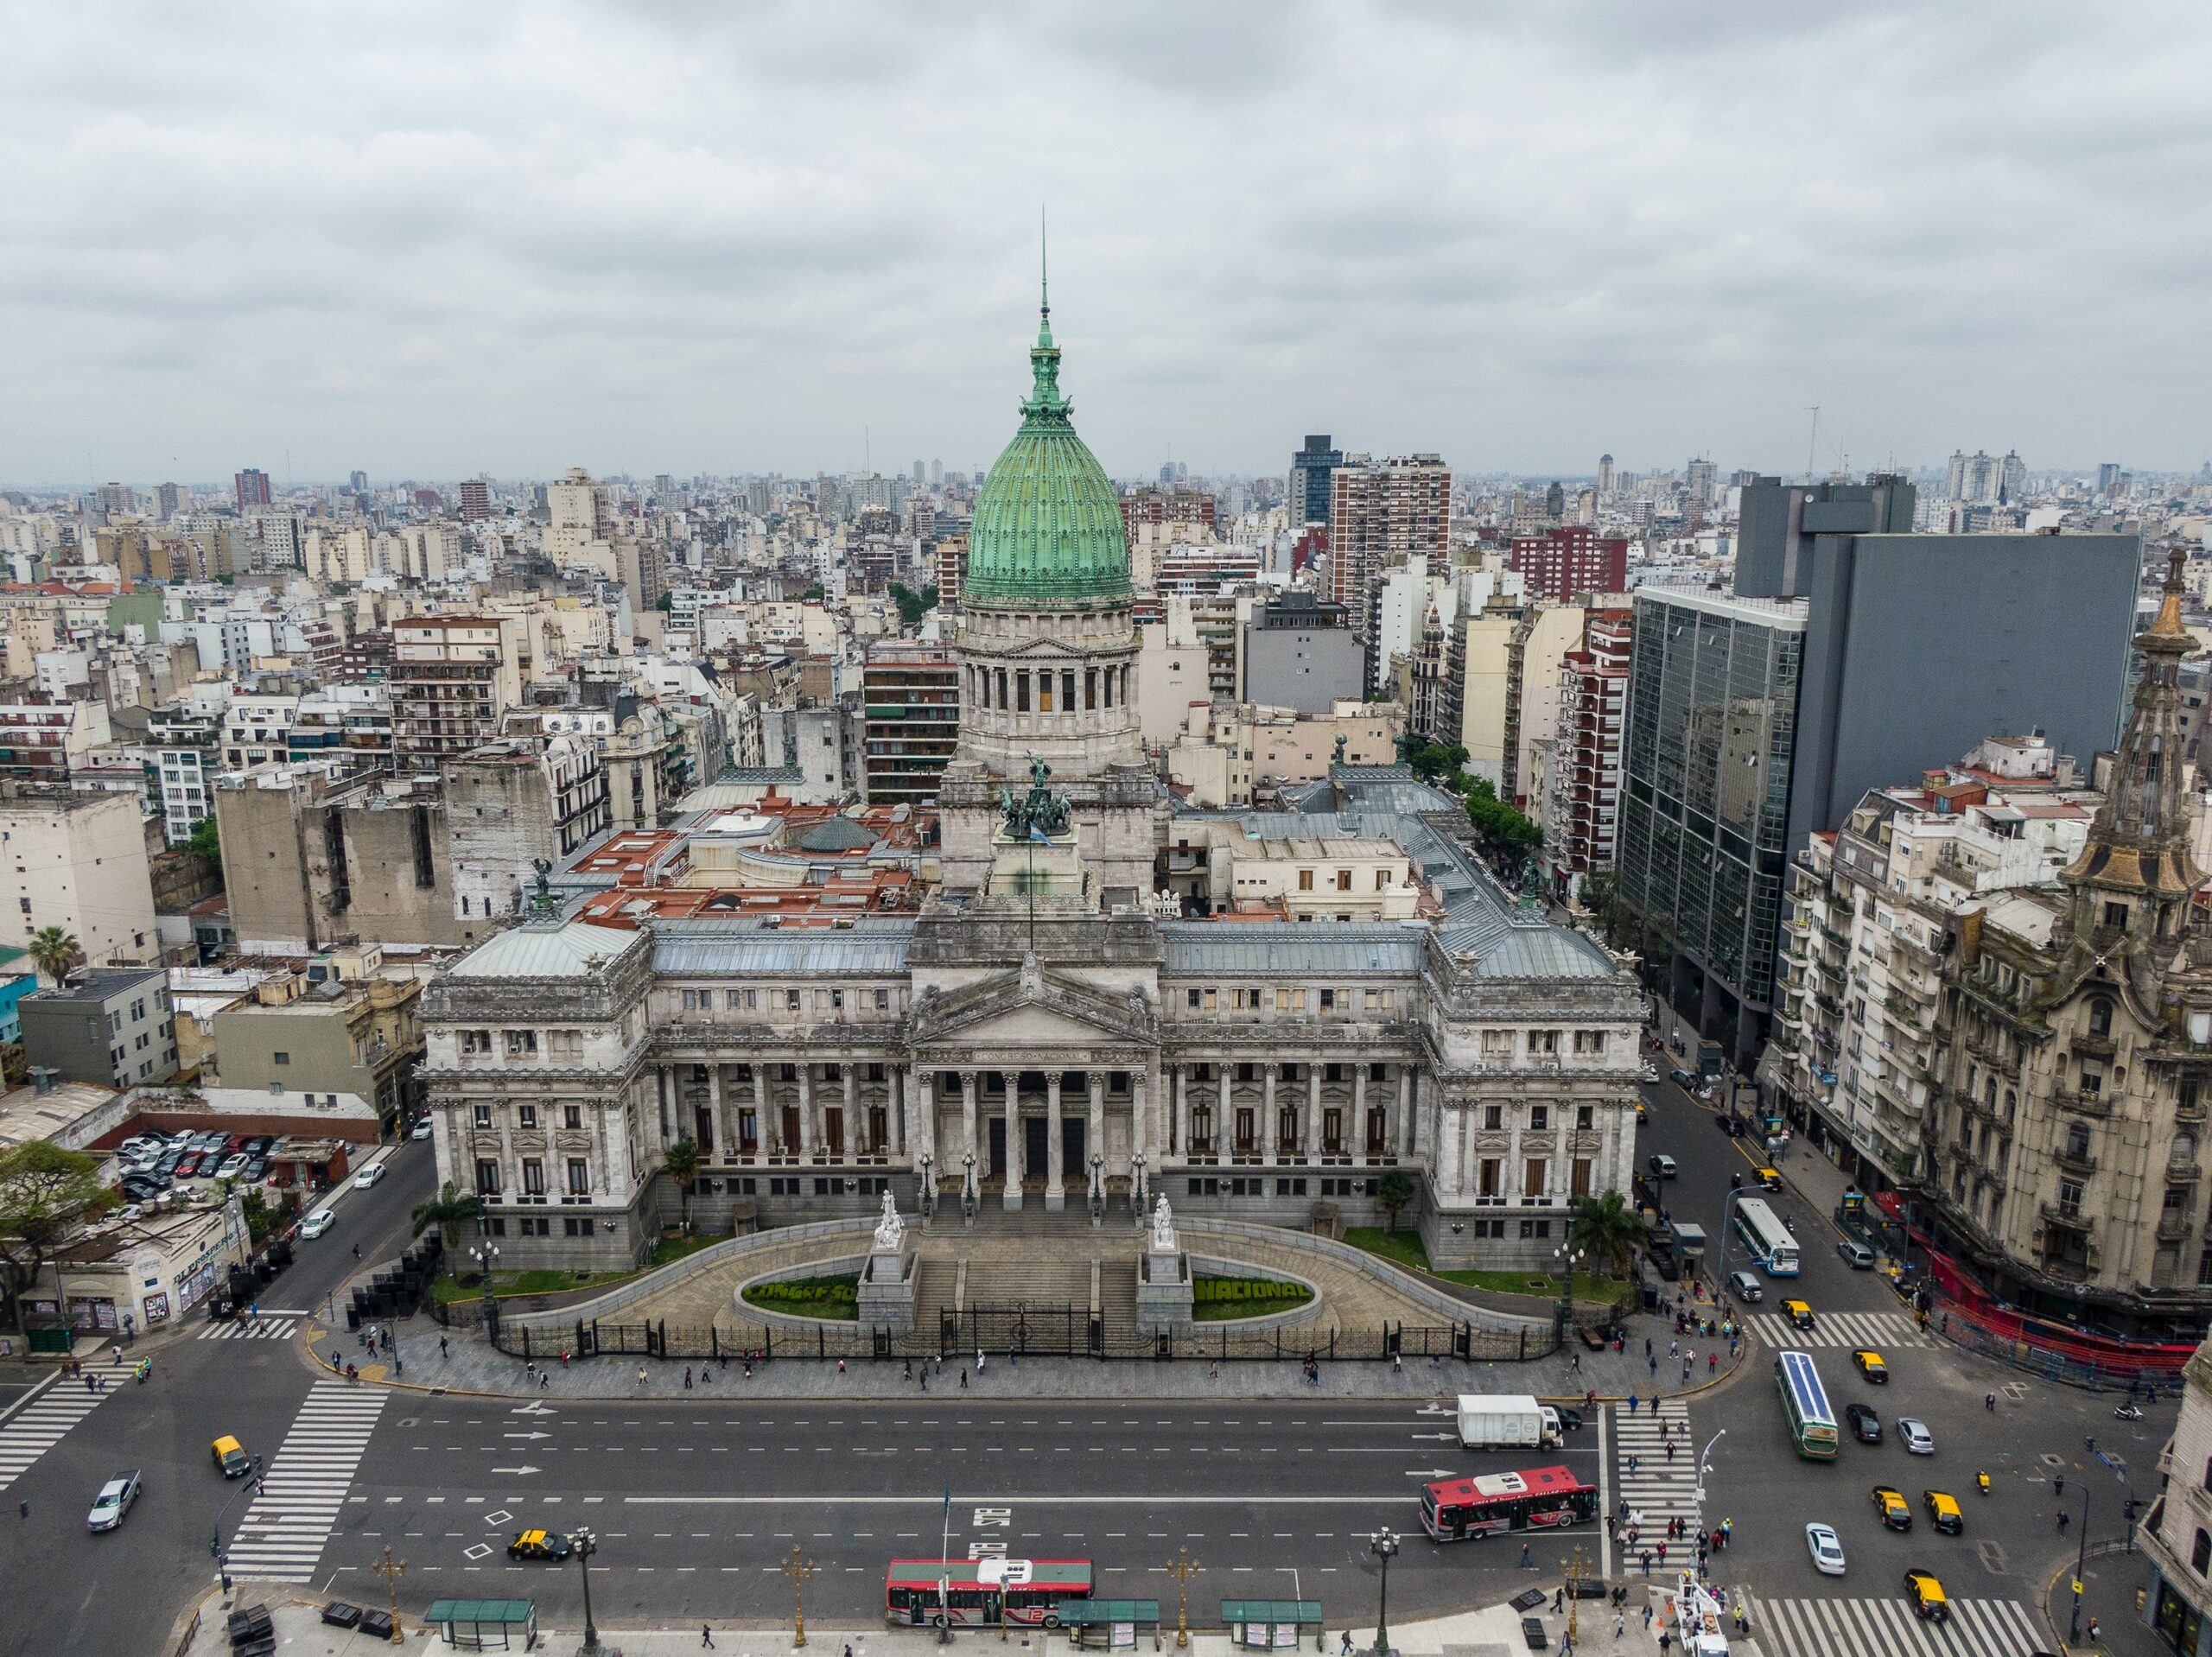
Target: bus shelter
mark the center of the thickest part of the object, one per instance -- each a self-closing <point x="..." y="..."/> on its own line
<point x="1109" y="1624"/>
<point x="486" y="1624"/>
<point x="1272" y="1622"/>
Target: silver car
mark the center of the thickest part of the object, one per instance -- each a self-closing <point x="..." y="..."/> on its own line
<point x="1826" y="1549"/>
<point x="113" y="1501"/>
<point x="1915" y="1436"/>
<point x="1744" y="1286"/>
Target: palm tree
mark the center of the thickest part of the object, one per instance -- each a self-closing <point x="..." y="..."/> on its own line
<point x="1606" y="1228"/>
<point x="53" y="952"/>
<point x="683" y="1160"/>
<point x="451" y="1207"/>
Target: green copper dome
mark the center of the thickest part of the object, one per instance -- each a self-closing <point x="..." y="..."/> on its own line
<point x="1047" y="531"/>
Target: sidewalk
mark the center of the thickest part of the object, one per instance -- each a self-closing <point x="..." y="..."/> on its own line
<point x="468" y="1363"/>
<point x="2109" y="1591"/>
<point x="1491" y="1628"/>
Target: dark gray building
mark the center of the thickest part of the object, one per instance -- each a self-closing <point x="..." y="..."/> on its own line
<point x="1905" y="652"/>
<point x="1308" y="487"/>
<point x="113" y="1028"/>
<point x="1705" y="769"/>
<point x="1301" y="652"/>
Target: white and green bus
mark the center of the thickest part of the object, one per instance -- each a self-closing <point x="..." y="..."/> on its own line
<point x="1805" y="1405"/>
<point x="1770" y="1241"/>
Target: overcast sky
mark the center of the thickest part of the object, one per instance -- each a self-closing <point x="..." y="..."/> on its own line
<point x="430" y="239"/>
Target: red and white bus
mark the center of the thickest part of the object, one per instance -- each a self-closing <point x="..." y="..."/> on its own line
<point x="1543" y="1498"/>
<point x="922" y="1593"/>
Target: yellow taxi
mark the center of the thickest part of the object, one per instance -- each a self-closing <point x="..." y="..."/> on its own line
<point x="1798" y="1312"/>
<point x="1870" y="1366"/>
<point x="1943" y="1513"/>
<point x="1643" y="1113"/>
<point x="1770" y="1178"/>
<point x="540" y="1544"/>
<point x="229" y="1455"/>
<point x="1928" y="1600"/>
<point x="1895" y="1511"/>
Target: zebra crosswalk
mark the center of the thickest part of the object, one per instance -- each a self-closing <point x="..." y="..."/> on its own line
<point x="1848" y="1329"/>
<point x="1656" y="1487"/>
<point x="1852" y="1627"/>
<point x="264" y="1328"/>
<point x="38" y="1426"/>
<point x="292" y="1516"/>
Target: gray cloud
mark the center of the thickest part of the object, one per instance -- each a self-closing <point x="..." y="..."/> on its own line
<point x="429" y="240"/>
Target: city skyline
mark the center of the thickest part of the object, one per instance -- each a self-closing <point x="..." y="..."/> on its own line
<point x="678" y="243"/>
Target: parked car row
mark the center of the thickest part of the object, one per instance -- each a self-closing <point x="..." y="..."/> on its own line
<point x="152" y="1162"/>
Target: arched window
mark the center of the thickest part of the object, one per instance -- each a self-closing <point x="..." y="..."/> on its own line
<point x="2101" y="1016"/>
<point x="2201" y="1555"/>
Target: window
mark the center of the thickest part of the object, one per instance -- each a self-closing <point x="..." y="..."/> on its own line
<point x="487" y="1177"/>
<point x="1590" y="1043"/>
<point x="522" y="1044"/>
<point x="2116" y="916"/>
<point x="1305" y="884"/>
<point x="2101" y="1016"/>
<point x="533" y="1176"/>
<point x="1533" y="1175"/>
<point x="2070" y="1198"/>
<point x="572" y="1117"/>
<point x="1581" y="1187"/>
<point x="1290" y="1001"/>
<point x="1542" y="1042"/>
<point x="280" y="1058"/>
<point x="1328" y="1001"/>
<point x="2201" y="1555"/>
<point x="1497" y="1043"/>
<point x="483" y="1116"/>
<point x="1487" y="1177"/>
<point x="526" y="1115"/>
<point x="1540" y="1118"/>
<point x="2077" y="1141"/>
<point x="1586" y="1118"/>
<point x="883" y="1001"/>
<point x="1344" y="880"/>
<point x="579" y="1177"/>
<point x="1493" y="1117"/>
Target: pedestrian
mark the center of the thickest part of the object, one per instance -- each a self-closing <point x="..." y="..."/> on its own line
<point x="979" y="1363"/>
<point x="706" y="1635"/>
<point x="1631" y="1403"/>
<point x="964" y="1378"/>
<point x="849" y="1649"/>
<point x="706" y="1374"/>
<point x="1631" y="1466"/>
<point x="2093" y="1631"/>
<point x="1671" y="1449"/>
<point x="2064" y="1520"/>
<point x="1398" y="1362"/>
<point x="1559" y="1601"/>
<point x="1673" y="1348"/>
<point x="907" y="1373"/>
<point x="2058" y="1485"/>
<point x="1989" y="1403"/>
<point x="442" y="1348"/>
<point x="1610" y="1523"/>
<point x="925" y="1377"/>
<point x="1663" y="1556"/>
<point x="1713" y="1363"/>
<point x="1645" y="1559"/>
<point x="1728" y="1529"/>
<point x="1576" y="1364"/>
<point x="564" y="1360"/>
<point x="529" y="1368"/>
<point x="1620" y="1623"/>
<point x="1685" y="1371"/>
<point x="544" y="1380"/>
<point x="91" y="1385"/>
<point x="1526" y="1563"/>
<point x="1654" y="1362"/>
<point x="1647" y="1604"/>
<point x="1590" y="1398"/>
<point x="1345" y="1650"/>
<point x="687" y="1376"/>
<point x="641" y="1375"/>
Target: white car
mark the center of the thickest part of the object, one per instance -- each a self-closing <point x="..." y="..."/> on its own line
<point x="1915" y="1436"/>
<point x="1826" y="1551"/>
<point x="113" y="1501"/>
<point x="421" y="1130"/>
<point x="233" y="1166"/>
<point x="318" y="1223"/>
<point x="369" y="1175"/>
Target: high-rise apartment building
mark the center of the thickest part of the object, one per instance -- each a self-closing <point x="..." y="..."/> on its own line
<point x="1583" y="778"/>
<point x="1982" y="478"/>
<point x="358" y="481"/>
<point x="1605" y="474"/>
<point x="1700" y="478"/>
<point x="1383" y="512"/>
<point x="167" y="498"/>
<point x="250" y="488"/>
<point x="1557" y="563"/>
<point x="476" y="500"/>
<point x="911" y="695"/>
<point x="451" y="676"/>
<point x="1170" y="506"/>
<point x="116" y="500"/>
<point x="1307" y="493"/>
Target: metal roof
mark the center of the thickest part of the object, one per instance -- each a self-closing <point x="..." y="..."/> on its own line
<point x="571" y="949"/>
<point x="1279" y="946"/>
<point x="872" y="945"/>
<point x="501" y="1613"/>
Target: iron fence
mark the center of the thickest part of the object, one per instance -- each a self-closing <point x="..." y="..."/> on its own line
<point x="1062" y="1331"/>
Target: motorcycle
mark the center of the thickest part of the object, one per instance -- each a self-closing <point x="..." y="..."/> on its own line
<point x="1981" y="1481"/>
<point x="2127" y="1413"/>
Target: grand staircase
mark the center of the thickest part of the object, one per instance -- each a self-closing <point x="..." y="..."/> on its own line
<point x="1031" y="1257"/>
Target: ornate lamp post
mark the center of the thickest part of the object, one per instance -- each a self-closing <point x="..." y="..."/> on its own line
<point x="967" y="1186"/>
<point x="929" y="1185"/>
<point x="1569" y="1258"/>
<point x="1136" y="1185"/>
<point x="1097" y="1187"/>
<point x="484" y="1255"/>
<point x="391" y="1570"/>
<point x="1183" y="1570"/>
<point x="1383" y="1544"/>
<point x="798" y="1571"/>
<point x="586" y="1543"/>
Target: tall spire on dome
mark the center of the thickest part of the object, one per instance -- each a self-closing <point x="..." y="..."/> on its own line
<point x="1044" y="406"/>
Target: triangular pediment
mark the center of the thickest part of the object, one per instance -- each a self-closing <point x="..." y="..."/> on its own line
<point x="1031" y="1008"/>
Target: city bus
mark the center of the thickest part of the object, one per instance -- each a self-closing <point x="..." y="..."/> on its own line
<point x="1768" y="1239"/>
<point x="1805" y="1405"/>
<point x="1543" y="1498"/>
<point x="925" y="1593"/>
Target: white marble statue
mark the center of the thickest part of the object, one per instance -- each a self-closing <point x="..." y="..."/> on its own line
<point x="1163" y="1227"/>
<point x="890" y="1230"/>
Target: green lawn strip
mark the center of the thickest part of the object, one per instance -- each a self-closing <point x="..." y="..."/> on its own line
<point x="832" y="1300"/>
<point x="672" y="1247"/>
<point x="1404" y="1249"/>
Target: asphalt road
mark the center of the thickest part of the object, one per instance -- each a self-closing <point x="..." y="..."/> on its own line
<point x="70" y="1590"/>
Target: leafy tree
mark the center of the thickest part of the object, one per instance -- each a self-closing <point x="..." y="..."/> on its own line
<point x="1509" y="835"/>
<point x="912" y="606"/>
<point x="207" y="843"/>
<point x="683" y="1160"/>
<point x="45" y="1193"/>
<point x="1434" y="761"/>
<point x="1606" y="1228"/>
<point x="813" y="592"/>
<point x="1394" y="1193"/>
<point x="53" y="951"/>
<point x="450" y="1208"/>
<point x="664" y="603"/>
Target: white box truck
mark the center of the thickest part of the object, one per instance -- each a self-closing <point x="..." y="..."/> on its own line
<point x="1507" y="1421"/>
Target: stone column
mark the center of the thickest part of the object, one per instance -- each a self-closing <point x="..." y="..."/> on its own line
<point x="1139" y="1105"/>
<point x="1270" y="1146"/>
<point x="809" y="1131"/>
<point x="969" y="1148"/>
<point x="1314" y="1147"/>
<point x="1094" y="1138"/>
<point x="770" y="1133"/>
<point x="854" y="1138"/>
<point x="1359" y="1109"/>
<point x="1409" y="1116"/>
<point x="924" y="1137"/>
<point x="719" y="1149"/>
<point x="1179" y="1137"/>
<point x="896" y="1110"/>
<point x="1055" y="1172"/>
<point x="1012" y="1196"/>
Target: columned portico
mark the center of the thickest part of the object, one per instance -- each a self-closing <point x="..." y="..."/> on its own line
<point x="1055" y="1192"/>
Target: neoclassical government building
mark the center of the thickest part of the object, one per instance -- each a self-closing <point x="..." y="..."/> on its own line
<point x="1037" y="1035"/>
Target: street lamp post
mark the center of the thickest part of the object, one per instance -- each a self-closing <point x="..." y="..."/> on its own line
<point x="1720" y="1270"/>
<point x="1183" y="1570"/>
<point x="1568" y="1258"/>
<point x="2080" y="1564"/>
<point x="2120" y="1472"/>
<point x="798" y="1571"/>
<point x="929" y="1185"/>
<point x="586" y="1543"/>
<point x="252" y="1482"/>
<point x="1383" y="1544"/>
<point x="1136" y="1184"/>
<point x="484" y="1254"/>
<point x="391" y="1570"/>
<point x="1098" y="1186"/>
<point x="967" y="1186"/>
<point x="1704" y="1467"/>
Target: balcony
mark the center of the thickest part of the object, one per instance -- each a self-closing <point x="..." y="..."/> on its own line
<point x="2085" y="1044"/>
<point x="2172" y="1228"/>
<point x="2082" y="1103"/>
<point x="2072" y="1218"/>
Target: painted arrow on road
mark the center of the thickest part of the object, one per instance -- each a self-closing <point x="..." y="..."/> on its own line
<point x="1411" y="1472"/>
<point x="525" y="1471"/>
<point x="527" y="1435"/>
<point x="1440" y="1437"/>
<point x="534" y="1408"/>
